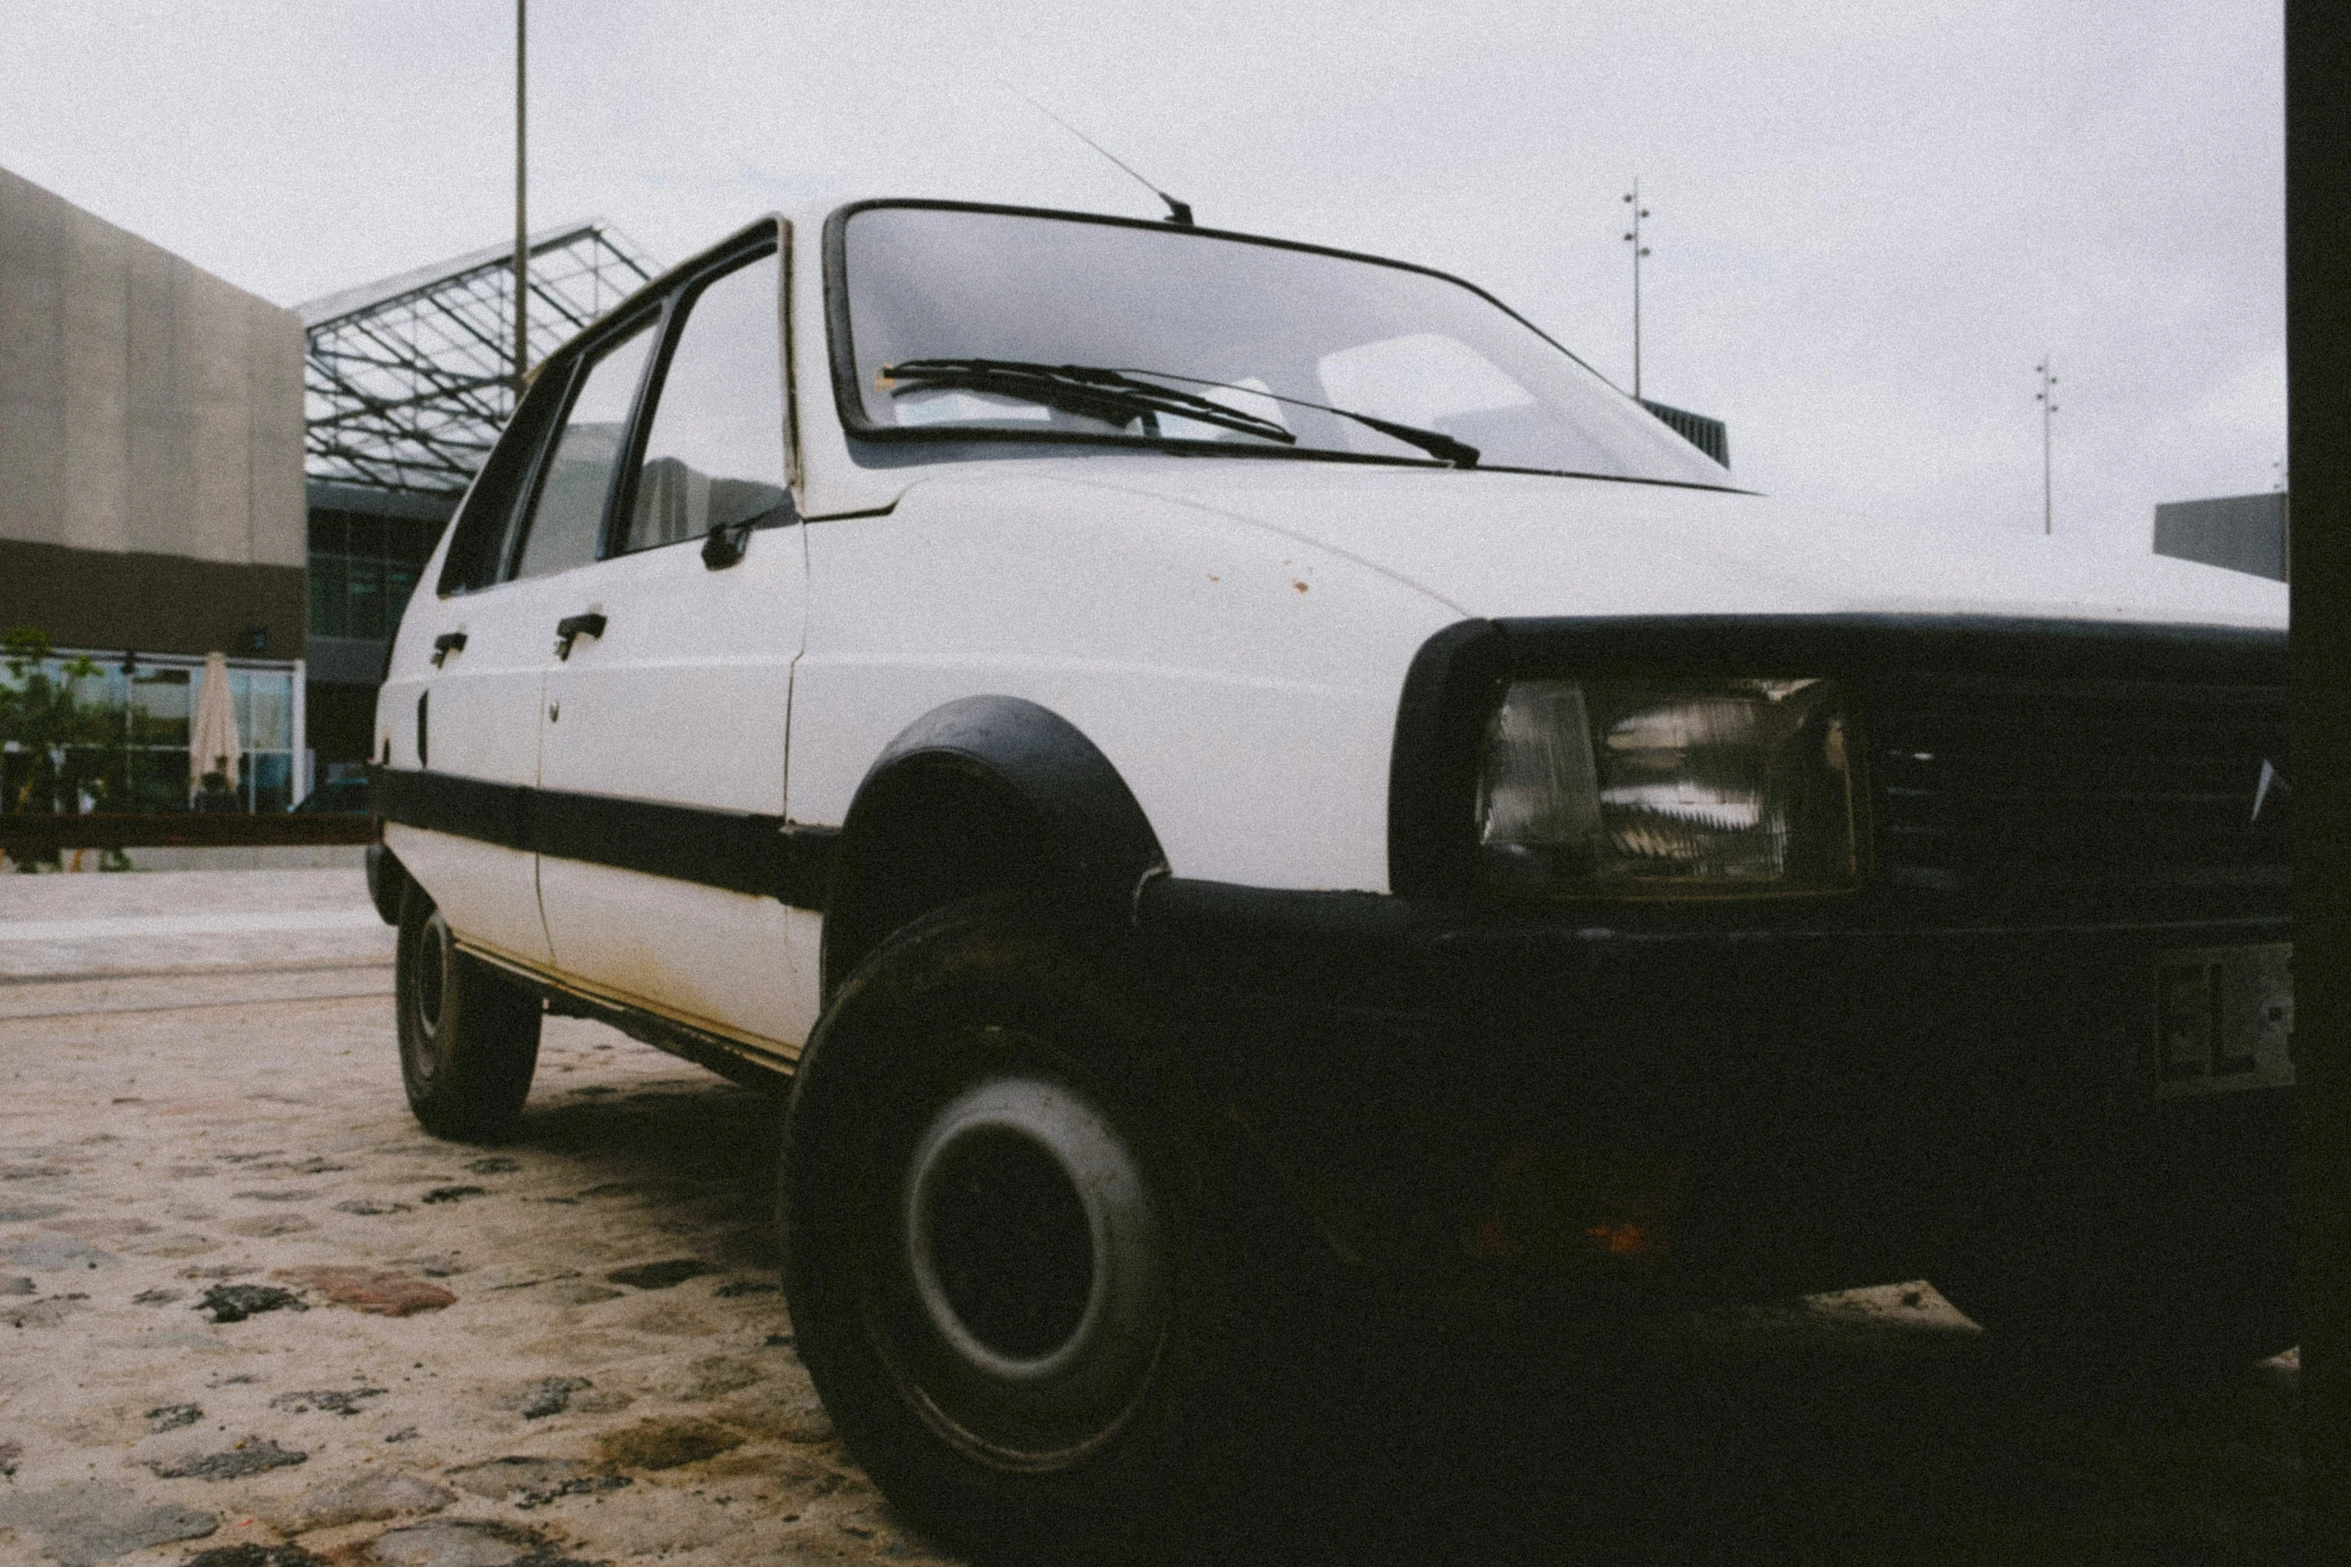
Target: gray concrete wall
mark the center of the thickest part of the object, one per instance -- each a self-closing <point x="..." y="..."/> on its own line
<point x="145" y="405"/>
<point x="2241" y="532"/>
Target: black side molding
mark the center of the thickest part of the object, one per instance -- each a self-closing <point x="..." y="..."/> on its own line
<point x="764" y="856"/>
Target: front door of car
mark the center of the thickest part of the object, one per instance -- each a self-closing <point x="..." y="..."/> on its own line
<point x="662" y="742"/>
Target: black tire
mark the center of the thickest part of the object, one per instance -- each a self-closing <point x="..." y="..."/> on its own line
<point x="1005" y="1259"/>
<point x="469" y="1037"/>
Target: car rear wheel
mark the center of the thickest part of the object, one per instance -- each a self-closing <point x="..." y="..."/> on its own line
<point x="469" y="1037"/>
<point x="1003" y="1258"/>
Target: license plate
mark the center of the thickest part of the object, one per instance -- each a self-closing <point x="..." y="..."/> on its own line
<point x="2224" y="1019"/>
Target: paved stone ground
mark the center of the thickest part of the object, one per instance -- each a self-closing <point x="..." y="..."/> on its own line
<point x="250" y="1316"/>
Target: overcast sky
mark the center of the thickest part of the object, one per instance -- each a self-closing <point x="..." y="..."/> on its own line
<point x="1868" y="221"/>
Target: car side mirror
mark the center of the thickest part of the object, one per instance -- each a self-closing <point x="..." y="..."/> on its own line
<point x="723" y="547"/>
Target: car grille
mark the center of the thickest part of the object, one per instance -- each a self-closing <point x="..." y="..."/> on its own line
<point x="2071" y="791"/>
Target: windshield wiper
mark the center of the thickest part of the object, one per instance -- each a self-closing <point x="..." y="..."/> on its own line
<point x="1117" y="395"/>
<point x="1436" y="443"/>
<point x="1080" y="389"/>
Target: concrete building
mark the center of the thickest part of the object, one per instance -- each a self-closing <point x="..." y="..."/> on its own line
<point x="186" y="468"/>
<point x="2241" y="532"/>
<point x="151" y="482"/>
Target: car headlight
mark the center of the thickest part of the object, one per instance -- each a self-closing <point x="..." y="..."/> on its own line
<point x="1609" y="787"/>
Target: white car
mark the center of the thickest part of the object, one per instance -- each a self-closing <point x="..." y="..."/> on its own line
<point x="1189" y="756"/>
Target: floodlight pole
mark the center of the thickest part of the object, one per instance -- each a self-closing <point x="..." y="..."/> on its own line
<point x="1639" y="250"/>
<point x="2048" y="404"/>
<point x="522" y="244"/>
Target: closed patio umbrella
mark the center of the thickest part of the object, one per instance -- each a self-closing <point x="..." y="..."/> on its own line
<point x="212" y="739"/>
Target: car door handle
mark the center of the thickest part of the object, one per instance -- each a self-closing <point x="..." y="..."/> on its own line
<point x="570" y="626"/>
<point x="446" y="643"/>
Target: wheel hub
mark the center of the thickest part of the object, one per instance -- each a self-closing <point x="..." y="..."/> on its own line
<point x="1039" y="1270"/>
<point x="432" y="994"/>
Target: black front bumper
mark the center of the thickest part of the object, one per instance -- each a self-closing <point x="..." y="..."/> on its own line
<point x="1706" y="1106"/>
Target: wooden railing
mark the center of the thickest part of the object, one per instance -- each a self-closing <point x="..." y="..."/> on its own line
<point x="37" y="836"/>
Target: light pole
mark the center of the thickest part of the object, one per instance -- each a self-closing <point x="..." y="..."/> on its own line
<point x="1633" y="238"/>
<point x="2047" y="398"/>
<point x="522" y="244"/>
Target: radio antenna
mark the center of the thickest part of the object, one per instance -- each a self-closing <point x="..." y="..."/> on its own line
<point x="1178" y="212"/>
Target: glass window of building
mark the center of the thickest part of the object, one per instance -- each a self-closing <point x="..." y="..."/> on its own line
<point x="121" y="739"/>
<point x="363" y="567"/>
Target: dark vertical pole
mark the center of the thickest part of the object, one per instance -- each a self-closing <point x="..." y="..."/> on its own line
<point x="522" y="244"/>
<point x="2318" y="445"/>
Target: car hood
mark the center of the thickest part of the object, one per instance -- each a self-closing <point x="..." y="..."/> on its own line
<point x="1501" y="544"/>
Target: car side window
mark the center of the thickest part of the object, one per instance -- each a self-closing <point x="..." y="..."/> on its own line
<point x="482" y="534"/>
<point x="715" y="454"/>
<point x="567" y="517"/>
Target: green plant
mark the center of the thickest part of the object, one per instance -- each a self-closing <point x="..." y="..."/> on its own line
<point x="46" y="722"/>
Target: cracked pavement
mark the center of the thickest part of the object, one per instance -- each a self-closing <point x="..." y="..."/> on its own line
<point x="252" y="1316"/>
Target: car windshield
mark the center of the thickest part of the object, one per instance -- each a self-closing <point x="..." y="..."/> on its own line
<point x="982" y="325"/>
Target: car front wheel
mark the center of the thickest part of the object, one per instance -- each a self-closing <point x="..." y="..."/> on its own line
<point x="1002" y="1260"/>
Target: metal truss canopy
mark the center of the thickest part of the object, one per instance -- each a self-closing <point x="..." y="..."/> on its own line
<point x="409" y="380"/>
